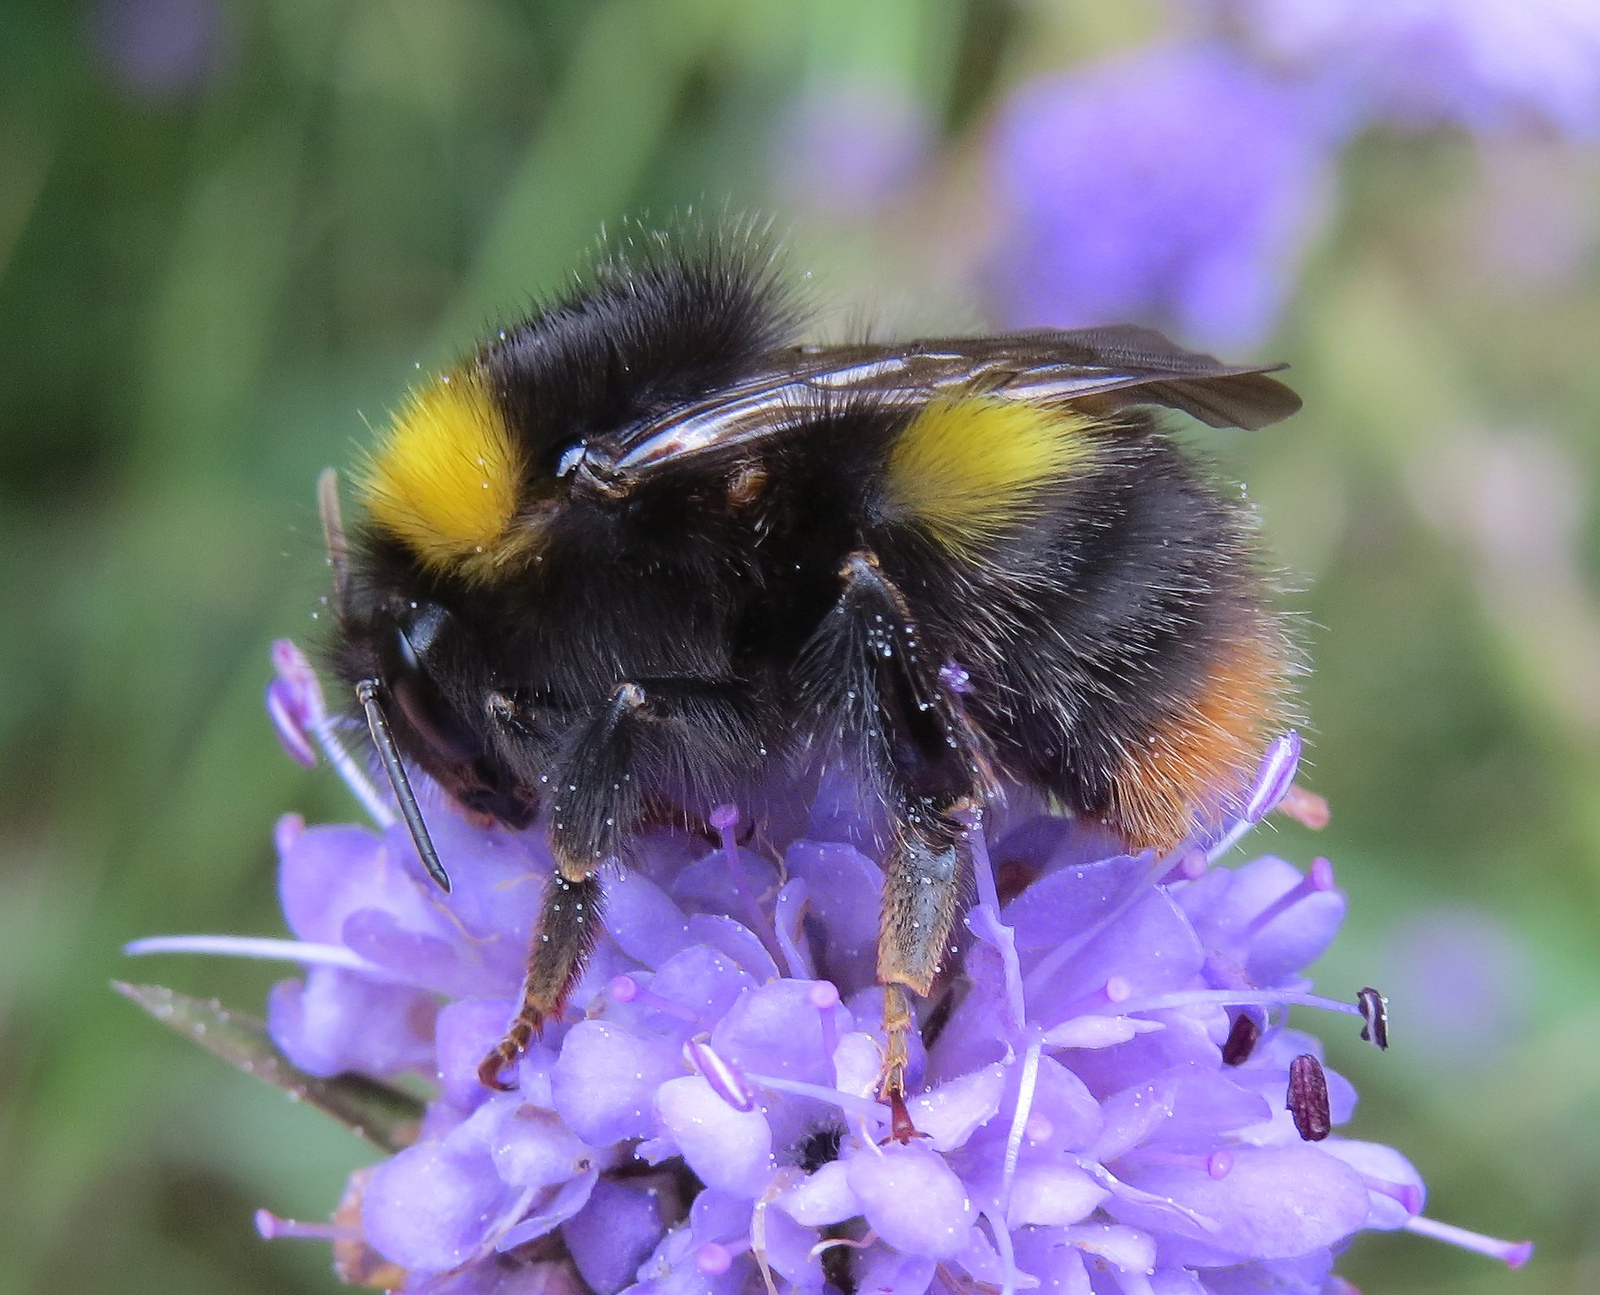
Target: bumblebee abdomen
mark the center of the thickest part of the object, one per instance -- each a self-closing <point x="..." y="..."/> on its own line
<point x="1123" y="653"/>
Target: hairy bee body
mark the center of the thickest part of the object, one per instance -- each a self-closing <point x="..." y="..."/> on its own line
<point x="642" y="549"/>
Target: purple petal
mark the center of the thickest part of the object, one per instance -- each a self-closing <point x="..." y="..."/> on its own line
<point x="1302" y="1275"/>
<point x="1064" y="904"/>
<point x="704" y="980"/>
<point x="338" y="1020"/>
<point x="557" y="1205"/>
<point x="789" y="1251"/>
<point x="463" y="1035"/>
<point x="949" y="1114"/>
<point x="329" y="872"/>
<point x="843" y="886"/>
<point x="1176" y="1281"/>
<point x="1149" y="949"/>
<point x="289" y="724"/>
<point x="1275" y="1203"/>
<point x="438" y="1204"/>
<point x="615" y="1232"/>
<point x="777" y="1030"/>
<point x="1398" y="1192"/>
<point x="419" y="956"/>
<point x="887" y="1272"/>
<point x="1123" y="1247"/>
<point x="788" y="921"/>
<point x="983" y="1263"/>
<point x="1057" y="1266"/>
<point x="1224" y="904"/>
<point x="497" y="878"/>
<point x="727" y="1149"/>
<point x="736" y="940"/>
<point x="912" y="1199"/>
<point x="1052" y="1195"/>
<point x="604" y="1082"/>
<point x="533" y="1148"/>
<point x="1186" y="1109"/>
<point x="822" y="1199"/>
<point x="858" y="1064"/>
<point x="643" y="920"/>
<point x="717" y="1215"/>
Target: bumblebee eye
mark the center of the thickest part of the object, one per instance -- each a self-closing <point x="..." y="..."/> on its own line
<point x="427" y="712"/>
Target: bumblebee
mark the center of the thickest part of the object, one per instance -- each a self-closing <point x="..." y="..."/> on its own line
<point x="643" y="549"/>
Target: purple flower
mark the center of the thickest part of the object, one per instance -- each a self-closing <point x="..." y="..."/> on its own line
<point x="158" y="49"/>
<point x="1110" y="1098"/>
<point x="848" y="147"/>
<point x="1483" y="64"/>
<point x="1176" y="187"/>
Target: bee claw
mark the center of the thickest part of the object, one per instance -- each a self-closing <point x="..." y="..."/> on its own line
<point x="901" y="1129"/>
<point x="491" y="1070"/>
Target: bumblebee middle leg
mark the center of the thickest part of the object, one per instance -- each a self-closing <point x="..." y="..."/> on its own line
<point x="865" y="665"/>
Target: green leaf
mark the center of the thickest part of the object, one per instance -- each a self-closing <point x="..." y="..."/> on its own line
<point x="385" y="1116"/>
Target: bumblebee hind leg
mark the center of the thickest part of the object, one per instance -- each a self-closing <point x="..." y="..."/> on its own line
<point x="864" y="668"/>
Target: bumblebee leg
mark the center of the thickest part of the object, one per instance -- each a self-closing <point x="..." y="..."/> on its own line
<point x="590" y="814"/>
<point x="865" y="665"/>
<point x="569" y="924"/>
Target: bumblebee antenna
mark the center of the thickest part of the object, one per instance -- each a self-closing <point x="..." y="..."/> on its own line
<point x="389" y="754"/>
<point x="333" y="538"/>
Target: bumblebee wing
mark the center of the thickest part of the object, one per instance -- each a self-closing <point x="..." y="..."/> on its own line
<point x="1108" y="367"/>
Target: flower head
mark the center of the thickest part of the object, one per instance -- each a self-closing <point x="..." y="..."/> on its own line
<point x="1109" y="1094"/>
<point x="1483" y="64"/>
<point x="1175" y="187"/>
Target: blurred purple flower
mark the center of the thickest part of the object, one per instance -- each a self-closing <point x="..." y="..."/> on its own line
<point x="1112" y="1102"/>
<point x="1464" y="976"/>
<point x="848" y="147"/>
<point x="1483" y="64"/>
<point x="1175" y="187"/>
<point x="158" y="48"/>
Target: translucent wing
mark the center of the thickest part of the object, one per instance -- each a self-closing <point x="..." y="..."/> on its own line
<point x="1114" y="367"/>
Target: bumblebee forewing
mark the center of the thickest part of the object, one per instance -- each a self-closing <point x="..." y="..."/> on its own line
<point x="1131" y="366"/>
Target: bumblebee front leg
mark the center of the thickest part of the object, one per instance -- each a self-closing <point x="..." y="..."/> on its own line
<point x="865" y="664"/>
<point x="594" y="807"/>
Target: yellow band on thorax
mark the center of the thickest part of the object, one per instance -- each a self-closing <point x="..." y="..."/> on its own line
<point x="444" y="478"/>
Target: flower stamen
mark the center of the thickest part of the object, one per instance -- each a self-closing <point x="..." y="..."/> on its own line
<point x="271" y="1228"/>
<point x="1511" y="1253"/>
<point x="1318" y="880"/>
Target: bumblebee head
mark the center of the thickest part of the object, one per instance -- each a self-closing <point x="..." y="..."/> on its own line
<point x="428" y="682"/>
<point x="423" y="681"/>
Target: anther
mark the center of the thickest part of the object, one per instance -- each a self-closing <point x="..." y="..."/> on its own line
<point x="1375" y="1017"/>
<point x="1243" y="1035"/>
<point x="1308" y="1098"/>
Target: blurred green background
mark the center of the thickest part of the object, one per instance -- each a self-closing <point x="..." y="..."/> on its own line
<point x="224" y="249"/>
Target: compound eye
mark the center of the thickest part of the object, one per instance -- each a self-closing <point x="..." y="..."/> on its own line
<point x="426" y="711"/>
